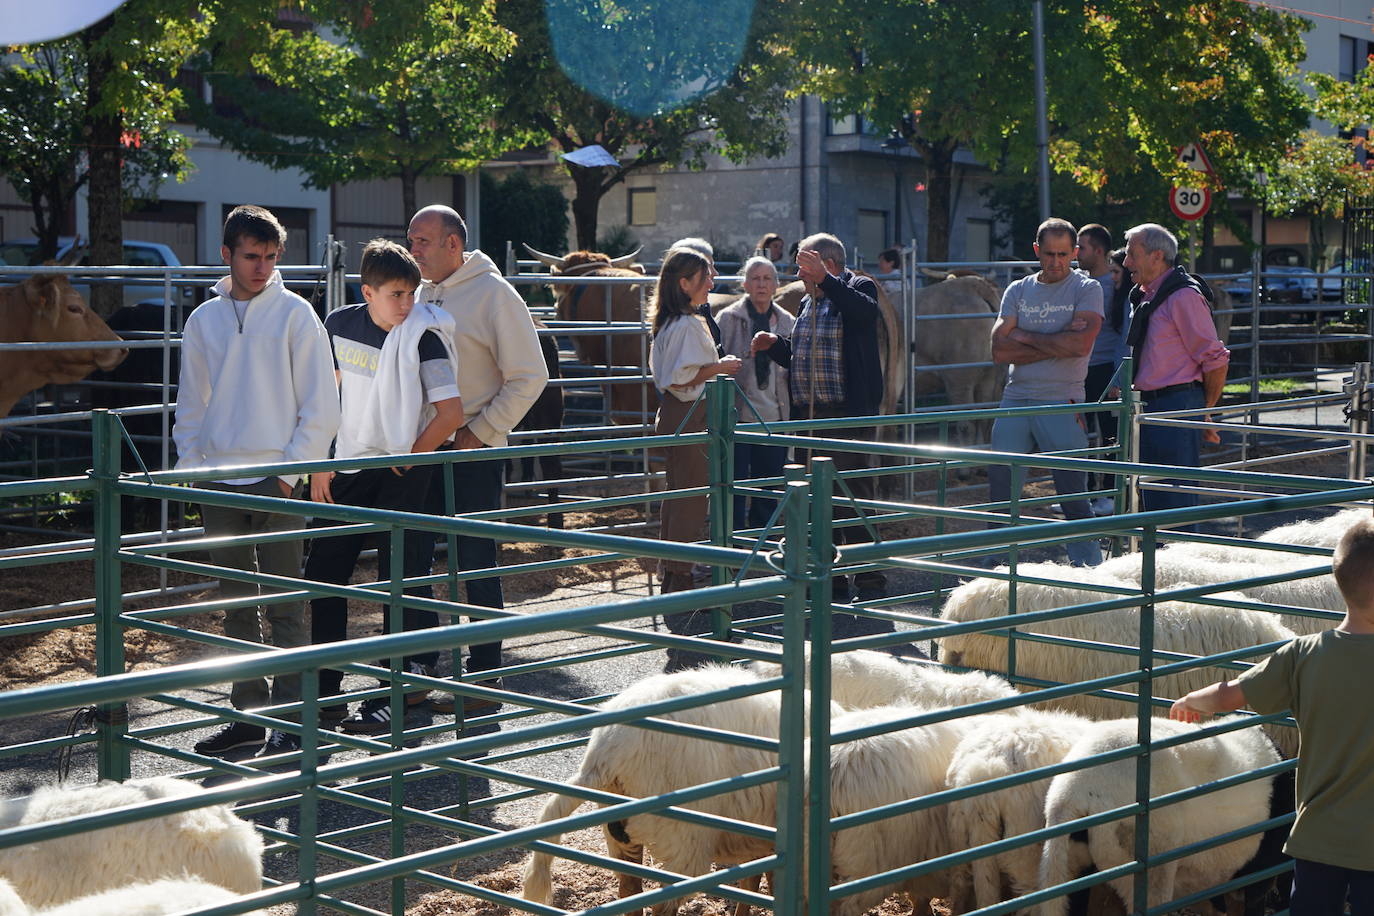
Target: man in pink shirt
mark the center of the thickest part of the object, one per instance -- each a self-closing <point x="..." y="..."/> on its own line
<point x="1179" y="362"/>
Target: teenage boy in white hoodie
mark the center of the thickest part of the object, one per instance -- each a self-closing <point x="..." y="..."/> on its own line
<point x="501" y="372"/>
<point x="399" y="393"/>
<point x="257" y="387"/>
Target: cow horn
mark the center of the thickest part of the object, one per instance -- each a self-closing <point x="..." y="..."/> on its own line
<point x="72" y="254"/>
<point x="549" y="260"/>
<point x="625" y="260"/>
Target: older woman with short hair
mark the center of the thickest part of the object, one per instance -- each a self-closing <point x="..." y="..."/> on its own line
<point x="762" y="383"/>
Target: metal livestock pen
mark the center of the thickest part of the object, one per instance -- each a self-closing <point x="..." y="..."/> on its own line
<point x="487" y="766"/>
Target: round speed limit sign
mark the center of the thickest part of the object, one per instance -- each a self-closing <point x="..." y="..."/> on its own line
<point x="1190" y="203"/>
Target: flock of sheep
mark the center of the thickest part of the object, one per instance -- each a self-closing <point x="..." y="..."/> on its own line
<point x="912" y="762"/>
<point x="206" y="856"/>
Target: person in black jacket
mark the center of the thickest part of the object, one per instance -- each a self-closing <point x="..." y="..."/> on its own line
<point x="834" y="371"/>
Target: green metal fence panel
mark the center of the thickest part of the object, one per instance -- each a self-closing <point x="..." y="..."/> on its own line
<point x="791" y="573"/>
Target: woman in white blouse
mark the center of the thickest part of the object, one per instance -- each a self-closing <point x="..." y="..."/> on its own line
<point x="682" y="359"/>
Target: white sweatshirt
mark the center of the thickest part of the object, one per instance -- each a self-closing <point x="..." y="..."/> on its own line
<point x="396" y="412"/>
<point x="501" y="370"/>
<point x="259" y="392"/>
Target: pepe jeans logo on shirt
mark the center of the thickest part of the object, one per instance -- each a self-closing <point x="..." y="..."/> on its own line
<point x="1042" y="310"/>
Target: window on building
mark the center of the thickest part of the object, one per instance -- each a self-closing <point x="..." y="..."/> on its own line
<point x="978" y="240"/>
<point x="843" y="126"/>
<point x="871" y="237"/>
<point x="643" y="206"/>
<point x="1354" y="57"/>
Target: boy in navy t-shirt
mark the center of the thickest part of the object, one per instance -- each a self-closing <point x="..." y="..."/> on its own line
<point x="398" y="389"/>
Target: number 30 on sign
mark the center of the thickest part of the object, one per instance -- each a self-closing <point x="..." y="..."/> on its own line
<point x="1190" y="203"/>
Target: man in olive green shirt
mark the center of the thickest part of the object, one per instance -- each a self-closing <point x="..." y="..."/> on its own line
<point x="1326" y="680"/>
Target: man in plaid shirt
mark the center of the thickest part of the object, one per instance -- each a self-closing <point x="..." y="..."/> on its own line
<point x="834" y="371"/>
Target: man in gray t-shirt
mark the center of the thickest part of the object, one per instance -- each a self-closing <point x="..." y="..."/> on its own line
<point x="1044" y="332"/>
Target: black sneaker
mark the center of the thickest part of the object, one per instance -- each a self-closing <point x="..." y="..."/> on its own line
<point x="279" y="742"/>
<point x="234" y="735"/>
<point x="372" y="718"/>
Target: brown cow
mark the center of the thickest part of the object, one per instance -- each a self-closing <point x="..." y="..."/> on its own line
<point x="587" y="302"/>
<point x="45" y="308"/>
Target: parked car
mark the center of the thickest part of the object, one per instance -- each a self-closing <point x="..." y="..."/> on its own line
<point x="1281" y="284"/>
<point x="24" y="253"/>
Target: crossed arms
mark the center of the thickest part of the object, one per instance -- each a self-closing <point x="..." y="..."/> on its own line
<point x="1011" y="344"/>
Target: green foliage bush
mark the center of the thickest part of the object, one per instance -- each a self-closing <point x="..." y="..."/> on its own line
<point x="519" y="210"/>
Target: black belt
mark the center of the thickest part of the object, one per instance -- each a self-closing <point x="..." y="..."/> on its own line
<point x="1148" y="396"/>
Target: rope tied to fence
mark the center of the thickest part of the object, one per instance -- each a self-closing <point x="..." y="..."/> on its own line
<point x="81" y="722"/>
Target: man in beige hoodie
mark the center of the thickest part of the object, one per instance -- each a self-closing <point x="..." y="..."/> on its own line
<point x="501" y="373"/>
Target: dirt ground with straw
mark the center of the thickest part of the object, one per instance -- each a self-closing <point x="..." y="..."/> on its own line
<point x="69" y="654"/>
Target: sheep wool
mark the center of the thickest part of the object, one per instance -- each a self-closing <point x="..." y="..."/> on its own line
<point x="152" y="898"/>
<point x="208" y="843"/>
<point x="1102" y="788"/>
<point x="10" y="904"/>
<point x="1179" y="627"/>
<point x="864" y="679"/>
<point x="1317" y="592"/>
<point x="882" y="770"/>
<point x="996" y="746"/>
<point x="640" y="762"/>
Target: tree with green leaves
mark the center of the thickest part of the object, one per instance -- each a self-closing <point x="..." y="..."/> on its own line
<point x="1128" y="82"/>
<point x="43" y="151"/>
<point x="655" y="85"/>
<point x="95" y="111"/>
<point x="400" y="91"/>
<point x="131" y="60"/>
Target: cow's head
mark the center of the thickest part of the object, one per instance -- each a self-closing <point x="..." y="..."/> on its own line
<point x="57" y="313"/>
<point x="574" y="259"/>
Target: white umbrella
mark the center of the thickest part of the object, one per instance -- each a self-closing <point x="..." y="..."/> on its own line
<point x="53" y="19"/>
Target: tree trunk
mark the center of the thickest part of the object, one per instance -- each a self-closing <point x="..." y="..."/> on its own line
<point x="105" y="187"/>
<point x="46" y="228"/>
<point x="939" y="160"/>
<point x="408" y="177"/>
<point x="586" y="203"/>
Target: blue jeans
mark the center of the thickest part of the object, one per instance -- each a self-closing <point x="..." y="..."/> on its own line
<point x="1047" y="433"/>
<point x="752" y="461"/>
<point x="1171" y="445"/>
<point x="1322" y="890"/>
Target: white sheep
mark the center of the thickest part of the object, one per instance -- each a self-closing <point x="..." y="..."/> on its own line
<point x="640" y="762"/>
<point x="993" y="747"/>
<point x="1175" y="571"/>
<point x="209" y="843"/>
<point x="864" y="679"/>
<point x="10" y="904"/>
<point x="1179" y="627"/>
<point x="1316" y="532"/>
<point x="1102" y="788"/>
<point x="146" y="898"/>
<point x="882" y="770"/>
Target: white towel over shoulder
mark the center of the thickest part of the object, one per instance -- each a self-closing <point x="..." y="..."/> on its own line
<point x="396" y="412"/>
